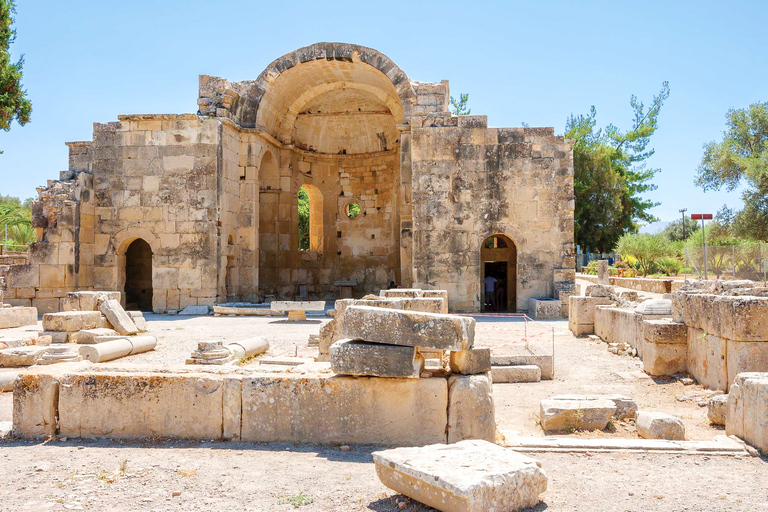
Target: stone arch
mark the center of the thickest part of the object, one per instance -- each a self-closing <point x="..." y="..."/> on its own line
<point x="498" y="259"/>
<point x="128" y="246"/>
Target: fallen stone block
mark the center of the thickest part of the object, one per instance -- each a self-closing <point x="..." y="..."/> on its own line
<point x="71" y="321"/>
<point x="747" y="413"/>
<point x="469" y="476"/>
<point x="249" y="347"/>
<point x="581" y="313"/>
<point x="139" y="320"/>
<point x="7" y="380"/>
<point x="360" y="358"/>
<point x="560" y="415"/>
<point x="716" y="409"/>
<point x="296" y="305"/>
<point x="402" y="293"/>
<point x="327" y="408"/>
<point x="544" y="361"/>
<point x="409" y="328"/>
<point x="88" y="336"/>
<point x="194" y="310"/>
<point x="17" y="317"/>
<point x="471" y="362"/>
<point x="544" y="309"/>
<point x="87" y="301"/>
<point x="59" y="336"/>
<point x="21" y="356"/>
<point x="471" y="413"/>
<point x="626" y="408"/>
<point x="436" y="294"/>
<point x="599" y="290"/>
<point x="519" y="373"/>
<point x="665" y="347"/>
<point x="116" y="315"/>
<point x="659" y="425"/>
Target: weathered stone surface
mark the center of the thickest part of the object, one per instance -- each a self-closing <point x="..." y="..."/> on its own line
<point x="71" y="321"/>
<point x="581" y="313"/>
<point x="518" y="373"/>
<point x="102" y="339"/>
<point x="659" y="425"/>
<point x="139" y="320"/>
<point x="559" y="415"/>
<point x="747" y="413"/>
<point x="59" y="354"/>
<point x="402" y="293"/>
<point x="59" y="336"/>
<point x="349" y="357"/>
<point x="742" y="318"/>
<point x="598" y="290"/>
<point x="470" y="476"/>
<point x="471" y="413"/>
<point x="471" y="362"/>
<point x="88" y="336"/>
<point x="746" y="356"/>
<point x="99" y="353"/>
<point x="716" y="409"/>
<point x="194" y="310"/>
<point x="8" y="379"/>
<point x="339" y="409"/>
<point x="707" y="359"/>
<point x="655" y="307"/>
<point x="665" y="331"/>
<point x="665" y="347"/>
<point x="544" y="361"/>
<point x="603" y="272"/>
<point x="17" y="317"/>
<point x="120" y="320"/>
<point x="291" y="305"/>
<point x="436" y="294"/>
<point x="544" y="309"/>
<point x="249" y="347"/>
<point x="210" y="352"/>
<point x="21" y="356"/>
<point x="232" y="414"/>
<point x="87" y="301"/>
<point x="626" y="408"/>
<point x="409" y="328"/>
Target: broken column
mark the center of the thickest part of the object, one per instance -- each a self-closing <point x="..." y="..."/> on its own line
<point x="210" y="352"/>
<point x="603" y="272"/>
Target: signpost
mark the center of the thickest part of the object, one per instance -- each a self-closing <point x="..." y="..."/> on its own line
<point x="702" y="217"/>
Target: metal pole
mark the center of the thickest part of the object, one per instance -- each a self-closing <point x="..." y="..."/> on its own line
<point x="704" y="243"/>
<point x="682" y="212"/>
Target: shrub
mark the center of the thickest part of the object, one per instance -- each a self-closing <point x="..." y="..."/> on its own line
<point x="645" y="248"/>
<point x="670" y="266"/>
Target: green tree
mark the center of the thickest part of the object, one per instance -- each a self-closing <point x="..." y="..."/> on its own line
<point x="14" y="104"/>
<point x="16" y="222"/>
<point x="645" y="248"/>
<point x="303" y="219"/>
<point x="674" y="230"/>
<point x="741" y="158"/>
<point x="460" y="107"/>
<point x="610" y="174"/>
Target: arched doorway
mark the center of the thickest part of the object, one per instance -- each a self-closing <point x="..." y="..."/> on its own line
<point x="498" y="256"/>
<point x="138" y="276"/>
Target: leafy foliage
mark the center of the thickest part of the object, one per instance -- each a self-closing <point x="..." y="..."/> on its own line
<point x="674" y="230"/>
<point x="303" y="219"/>
<point x="610" y="174"/>
<point x="741" y="157"/>
<point x="460" y="107"/>
<point x="670" y="266"/>
<point x="644" y="248"/>
<point x="14" y="104"/>
<point x="16" y="221"/>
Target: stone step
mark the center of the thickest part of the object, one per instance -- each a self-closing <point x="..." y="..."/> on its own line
<point x="519" y="373"/>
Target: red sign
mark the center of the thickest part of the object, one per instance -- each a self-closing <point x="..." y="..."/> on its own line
<point x="700" y="216"/>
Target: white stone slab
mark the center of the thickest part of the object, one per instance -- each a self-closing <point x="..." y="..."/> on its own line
<point x="294" y="305"/>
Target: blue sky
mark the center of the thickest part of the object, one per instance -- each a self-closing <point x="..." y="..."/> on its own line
<point x="532" y="62"/>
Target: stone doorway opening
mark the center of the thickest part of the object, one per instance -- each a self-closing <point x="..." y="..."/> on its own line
<point x="499" y="274"/>
<point x="138" y="276"/>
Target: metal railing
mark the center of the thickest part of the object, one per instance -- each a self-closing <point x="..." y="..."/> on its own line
<point x="746" y="261"/>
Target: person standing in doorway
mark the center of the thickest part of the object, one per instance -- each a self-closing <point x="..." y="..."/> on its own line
<point x="490" y="290"/>
<point x="498" y="296"/>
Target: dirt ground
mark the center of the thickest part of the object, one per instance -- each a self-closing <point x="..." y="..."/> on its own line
<point x="86" y="475"/>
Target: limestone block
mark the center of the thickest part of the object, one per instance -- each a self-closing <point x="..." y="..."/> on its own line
<point x="360" y="358"/>
<point x="120" y="320"/>
<point x="71" y="321"/>
<point x="139" y="320"/>
<point x="544" y="309"/>
<point x="106" y="351"/>
<point x="706" y="359"/>
<point x="517" y="373"/>
<point x="471" y="362"/>
<point x="194" y="310"/>
<point x="402" y="293"/>
<point x="249" y="347"/>
<point x="290" y="305"/>
<point x="664" y="331"/>
<point x="232" y="408"/>
<point x="17" y="317"/>
<point x="409" y="328"/>
<point x="35" y="402"/>
<point x="21" y="356"/>
<point x="716" y="409"/>
<point x="698" y="311"/>
<point x="659" y="425"/>
<point x="746" y="356"/>
<point x="138" y="405"/>
<point x="747" y="412"/>
<point x="471" y="414"/>
<point x="8" y="379"/>
<point x="558" y="415"/>
<point x="742" y="318"/>
<point x="545" y="362"/>
<point x="326" y="408"/>
<point x="625" y="407"/>
<point x="88" y="336"/>
<point x="655" y="307"/>
<point x="581" y="313"/>
<point x="59" y="336"/>
<point x="440" y="294"/>
<point x="87" y="301"/>
<point x="598" y="290"/>
<point x="603" y="272"/>
<point x="665" y="358"/>
<point x="470" y="476"/>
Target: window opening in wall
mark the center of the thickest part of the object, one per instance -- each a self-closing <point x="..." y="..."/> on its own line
<point x="352" y="210"/>
<point x="303" y="219"/>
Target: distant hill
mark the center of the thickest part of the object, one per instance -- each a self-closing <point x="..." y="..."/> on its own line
<point x="654" y="227"/>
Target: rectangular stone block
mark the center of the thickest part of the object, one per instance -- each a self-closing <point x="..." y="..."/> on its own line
<point x="116" y="315"/>
<point x="562" y="415"/>
<point x="746" y="356"/>
<point x="232" y="415"/>
<point x="742" y="318"/>
<point x="402" y="293"/>
<point x="71" y="321"/>
<point x="707" y="359"/>
<point x="348" y="410"/>
<point x="518" y="373"/>
<point x="87" y="300"/>
<point x="544" y="309"/>
<point x="471" y="413"/>
<point x="137" y="405"/>
<point x="665" y="358"/>
<point x="291" y="305"/>
<point x="89" y="336"/>
<point x="581" y="313"/>
<point x="470" y="476"/>
<point x="545" y="362"/>
<point x="471" y="362"/>
<point x="17" y="317"/>
<point x="665" y="332"/>
<point x="747" y="411"/>
<point x="21" y="356"/>
<point x="360" y="358"/>
<point x="409" y="328"/>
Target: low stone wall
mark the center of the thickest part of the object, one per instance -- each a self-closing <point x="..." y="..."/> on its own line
<point x="581" y="313"/>
<point x="621" y="325"/>
<point x="82" y="400"/>
<point x="747" y="412"/>
<point x="641" y="284"/>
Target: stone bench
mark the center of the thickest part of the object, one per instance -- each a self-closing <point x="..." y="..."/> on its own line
<point x="297" y="309"/>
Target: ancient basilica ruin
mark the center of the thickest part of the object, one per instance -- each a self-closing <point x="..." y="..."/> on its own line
<point x="198" y="209"/>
